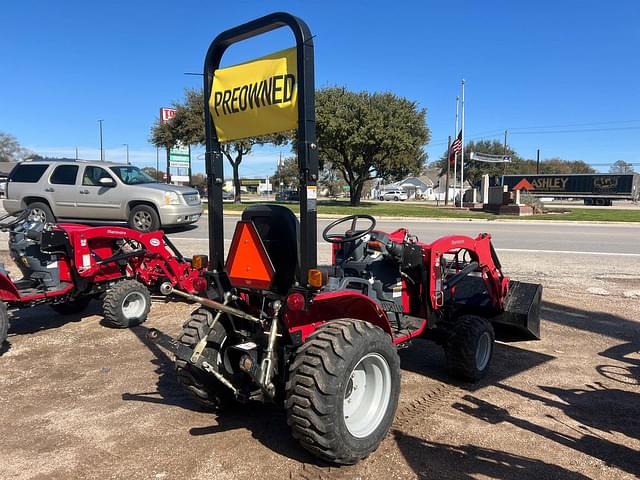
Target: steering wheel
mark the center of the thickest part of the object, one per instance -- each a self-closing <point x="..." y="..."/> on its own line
<point x="334" y="238"/>
<point x="20" y="216"/>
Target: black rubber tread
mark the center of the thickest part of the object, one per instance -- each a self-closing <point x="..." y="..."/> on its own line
<point x="77" y="305"/>
<point x="155" y="218"/>
<point x="4" y="323"/>
<point x="318" y="376"/>
<point x="112" y="303"/>
<point x="205" y="389"/>
<point x="51" y="218"/>
<point x="460" y="349"/>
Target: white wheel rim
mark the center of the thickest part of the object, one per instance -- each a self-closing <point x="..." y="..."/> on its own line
<point x="483" y="351"/>
<point x="38" y="215"/>
<point x="367" y="395"/>
<point x="142" y="220"/>
<point x="133" y="306"/>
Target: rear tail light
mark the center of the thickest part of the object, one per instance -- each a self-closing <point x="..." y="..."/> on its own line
<point x="295" y="302"/>
<point x="200" y="284"/>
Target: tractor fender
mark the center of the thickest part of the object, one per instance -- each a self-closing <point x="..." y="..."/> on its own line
<point x="8" y="291"/>
<point x="333" y="306"/>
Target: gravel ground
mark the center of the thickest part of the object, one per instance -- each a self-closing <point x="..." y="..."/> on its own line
<point x="82" y="401"/>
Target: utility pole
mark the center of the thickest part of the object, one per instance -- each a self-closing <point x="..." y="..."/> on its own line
<point x="157" y="163"/>
<point x="101" y="149"/>
<point x="127" y="145"/>
<point x="462" y="151"/>
<point x="538" y="162"/>
<point x="76" y="153"/>
<point x="455" y="155"/>
<point x="504" y="164"/>
<point x="446" y="192"/>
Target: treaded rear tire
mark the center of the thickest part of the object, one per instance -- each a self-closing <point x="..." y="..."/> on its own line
<point x="4" y="323"/>
<point x="204" y="388"/>
<point x="319" y="377"/>
<point x="114" y="303"/>
<point x="460" y="349"/>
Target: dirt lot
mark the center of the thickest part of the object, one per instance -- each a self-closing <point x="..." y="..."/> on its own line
<point x="82" y="401"/>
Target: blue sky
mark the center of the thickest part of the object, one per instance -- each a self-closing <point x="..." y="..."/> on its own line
<point x="562" y="76"/>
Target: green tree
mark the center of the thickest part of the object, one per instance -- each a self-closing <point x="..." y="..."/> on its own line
<point x="187" y="127"/>
<point x="287" y="175"/>
<point x="621" y="166"/>
<point x="473" y="170"/>
<point x="10" y="149"/>
<point x="559" y="166"/>
<point x="369" y="135"/>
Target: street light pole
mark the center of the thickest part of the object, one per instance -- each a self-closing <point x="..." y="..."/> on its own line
<point x="127" y="145"/>
<point x="101" y="149"/>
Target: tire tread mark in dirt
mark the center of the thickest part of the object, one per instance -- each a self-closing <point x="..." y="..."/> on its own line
<point x="409" y="414"/>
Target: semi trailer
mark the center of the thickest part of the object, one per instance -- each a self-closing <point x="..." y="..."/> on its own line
<point x="594" y="189"/>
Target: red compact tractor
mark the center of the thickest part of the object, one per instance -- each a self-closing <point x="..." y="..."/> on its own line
<point x="66" y="265"/>
<point x="322" y="340"/>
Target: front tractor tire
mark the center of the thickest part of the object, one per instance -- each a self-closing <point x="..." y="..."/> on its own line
<point x="343" y="389"/>
<point x="126" y="304"/>
<point x="204" y="388"/>
<point x="469" y="348"/>
<point x="4" y="324"/>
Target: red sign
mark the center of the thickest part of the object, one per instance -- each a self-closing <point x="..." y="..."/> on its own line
<point x="167" y="114"/>
<point x="524" y="185"/>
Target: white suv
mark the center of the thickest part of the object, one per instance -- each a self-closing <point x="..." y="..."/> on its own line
<point x="99" y="191"/>
<point x="395" y="195"/>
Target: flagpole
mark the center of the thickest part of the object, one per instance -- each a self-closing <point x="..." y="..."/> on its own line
<point x="462" y="152"/>
<point x="455" y="155"/>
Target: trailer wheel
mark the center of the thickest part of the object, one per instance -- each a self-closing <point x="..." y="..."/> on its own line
<point x="469" y="348"/>
<point x="205" y="389"/>
<point x="4" y="323"/>
<point x="126" y="304"/>
<point x="343" y="389"/>
<point x="74" y="306"/>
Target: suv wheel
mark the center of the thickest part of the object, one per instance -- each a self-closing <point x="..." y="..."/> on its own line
<point x="40" y="211"/>
<point x="144" y="218"/>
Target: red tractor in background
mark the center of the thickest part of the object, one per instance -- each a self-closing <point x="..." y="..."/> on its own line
<point x="67" y="265"/>
<point x="322" y="341"/>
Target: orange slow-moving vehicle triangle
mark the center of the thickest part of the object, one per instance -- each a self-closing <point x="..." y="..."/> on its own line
<point x="248" y="264"/>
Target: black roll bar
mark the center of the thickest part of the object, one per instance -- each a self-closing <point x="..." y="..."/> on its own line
<point x="306" y="138"/>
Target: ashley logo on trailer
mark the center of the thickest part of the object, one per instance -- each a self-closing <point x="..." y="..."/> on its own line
<point x="256" y="98"/>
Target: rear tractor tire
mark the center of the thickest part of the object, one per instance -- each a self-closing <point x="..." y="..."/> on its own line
<point x="4" y="323"/>
<point x="126" y="304"/>
<point x="204" y="388"/>
<point x="343" y="390"/>
<point x="469" y="349"/>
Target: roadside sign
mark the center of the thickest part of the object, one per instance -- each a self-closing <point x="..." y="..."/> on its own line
<point x="486" y="157"/>
<point x="166" y="114"/>
<point x="255" y="98"/>
<point x="179" y="178"/>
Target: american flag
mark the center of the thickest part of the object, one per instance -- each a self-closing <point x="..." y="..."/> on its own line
<point x="456" y="146"/>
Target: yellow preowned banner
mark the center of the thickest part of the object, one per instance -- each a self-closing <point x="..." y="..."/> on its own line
<point x="256" y="97"/>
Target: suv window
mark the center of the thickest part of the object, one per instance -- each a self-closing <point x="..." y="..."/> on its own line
<point x="27" y="173"/>
<point x="92" y="176"/>
<point x="64" y="175"/>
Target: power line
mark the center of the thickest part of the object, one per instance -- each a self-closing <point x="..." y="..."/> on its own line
<point x="544" y="132"/>
<point x="575" y="124"/>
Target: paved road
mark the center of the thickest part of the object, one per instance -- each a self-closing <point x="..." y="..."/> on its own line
<point x="607" y="239"/>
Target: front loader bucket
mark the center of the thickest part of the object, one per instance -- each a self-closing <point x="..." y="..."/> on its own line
<point x="521" y="313"/>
